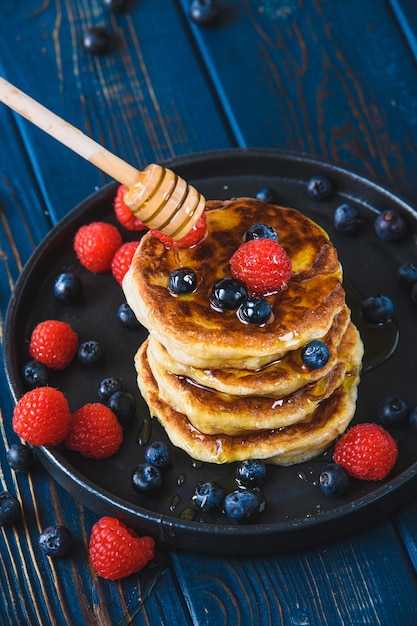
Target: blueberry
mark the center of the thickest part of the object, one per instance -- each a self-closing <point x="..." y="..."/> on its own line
<point x="36" y="374"/>
<point x="20" y="458"/>
<point x="228" y="293"/>
<point x="182" y="280"/>
<point x="390" y="225"/>
<point x="261" y="231"/>
<point x="126" y="316"/>
<point x="255" y="310"/>
<point x="123" y="406"/>
<point x="158" y="454"/>
<point x="90" y="353"/>
<point x="268" y="194"/>
<point x="407" y="274"/>
<point x="146" y="477"/>
<point x="107" y="387"/>
<point x="315" y="354"/>
<point x="116" y="6"/>
<point x="251" y="473"/>
<point x="393" y="411"/>
<point x="96" y="40"/>
<point x="9" y="508"/>
<point x="319" y="187"/>
<point x="208" y="496"/>
<point x="55" y="541"/>
<point x="204" y="12"/>
<point x="377" y="309"/>
<point x="346" y="219"/>
<point x="68" y="288"/>
<point x="241" y="506"/>
<point x="334" y="480"/>
<point x="413" y="418"/>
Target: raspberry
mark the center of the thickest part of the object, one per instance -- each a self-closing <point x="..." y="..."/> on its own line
<point x="53" y="343"/>
<point x="367" y="452"/>
<point x="196" y="234"/>
<point x="95" y="245"/>
<point x="262" y="264"/>
<point x="117" y="551"/>
<point x="42" y="417"/>
<point x="123" y="214"/>
<point x="122" y="260"/>
<point x="95" y="431"/>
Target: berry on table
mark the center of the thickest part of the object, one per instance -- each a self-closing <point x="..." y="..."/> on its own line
<point x="9" y="508"/>
<point x="20" y="458"/>
<point x="334" y="480"/>
<point x="127" y="317"/>
<point x="377" y="309"/>
<point x="116" y="6"/>
<point x="393" y="411"/>
<point x="68" y="288"/>
<point x="315" y="354"/>
<point x="182" y="280"/>
<point x="208" y="496"/>
<point x="390" y="225"/>
<point x="146" y="477"/>
<point x="53" y="343"/>
<point x="255" y="310"/>
<point x="36" y="374"/>
<point x="319" y="187"/>
<point x="251" y="473"/>
<point x="158" y="454"/>
<point x="367" y="452"/>
<point x="42" y="417"/>
<point x="267" y="194"/>
<point x="261" y="231"/>
<point x="95" y="40"/>
<point x="241" y="506"/>
<point x="116" y="551"/>
<point x="95" y="245"/>
<point x="123" y="259"/>
<point x="204" y="12"/>
<point x="228" y="294"/>
<point x="346" y="219"/>
<point x="90" y="353"/>
<point x="108" y="386"/>
<point x="407" y="274"/>
<point x="55" y="541"/>
<point x="124" y="215"/>
<point x="94" y="431"/>
<point x="196" y="234"/>
<point x="123" y="405"/>
<point x="262" y="265"/>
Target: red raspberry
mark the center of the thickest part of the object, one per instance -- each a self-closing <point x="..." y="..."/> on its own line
<point x="95" y="245"/>
<point x="262" y="264"/>
<point x="122" y="260"/>
<point x="123" y="214"/>
<point x="53" y="343"/>
<point x="116" y="551"/>
<point x="95" y="431"/>
<point x="196" y="234"/>
<point x="42" y="417"/>
<point x="367" y="452"/>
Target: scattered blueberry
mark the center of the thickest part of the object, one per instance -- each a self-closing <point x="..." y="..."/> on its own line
<point x="107" y="387"/>
<point x="158" y="454"/>
<point x="146" y="477"/>
<point x="126" y="316"/>
<point x="68" y="288"/>
<point x="261" y="231"/>
<point x="90" y="353"/>
<point x="20" y="458"/>
<point x="228" y="293"/>
<point x="390" y="225"/>
<point x="204" y="12"/>
<point x="413" y="419"/>
<point x="35" y="374"/>
<point x="208" y="496"/>
<point x="251" y="473"/>
<point x="377" y="309"/>
<point x="96" y="40"/>
<point x="407" y="274"/>
<point x="116" y="6"/>
<point x="319" y="187"/>
<point x="55" y="541"/>
<point x="393" y="411"/>
<point x="9" y="508"/>
<point x="334" y="480"/>
<point x="315" y="354"/>
<point x="123" y="405"/>
<point x="268" y="194"/>
<point x="241" y="506"/>
<point x="346" y="219"/>
<point x="255" y="310"/>
<point x="182" y="280"/>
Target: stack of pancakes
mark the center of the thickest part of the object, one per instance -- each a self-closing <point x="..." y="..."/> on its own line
<point x="225" y="390"/>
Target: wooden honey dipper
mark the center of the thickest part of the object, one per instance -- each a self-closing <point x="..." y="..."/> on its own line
<point x="156" y="195"/>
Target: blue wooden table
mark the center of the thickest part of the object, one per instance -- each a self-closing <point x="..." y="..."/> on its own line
<point x="332" y="78"/>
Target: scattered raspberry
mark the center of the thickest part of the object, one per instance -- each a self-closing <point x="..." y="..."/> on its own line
<point x="123" y="214"/>
<point x="196" y="234"/>
<point x="367" y="452"/>
<point x="95" y="245"/>
<point x="116" y="551"/>
<point x="122" y="260"/>
<point x="53" y="343"/>
<point x="42" y="417"/>
<point x="95" y="431"/>
<point x="262" y="264"/>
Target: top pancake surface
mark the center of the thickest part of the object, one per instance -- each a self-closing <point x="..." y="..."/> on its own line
<point x="195" y="334"/>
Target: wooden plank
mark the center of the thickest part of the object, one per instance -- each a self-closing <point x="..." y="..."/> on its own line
<point x="405" y="12"/>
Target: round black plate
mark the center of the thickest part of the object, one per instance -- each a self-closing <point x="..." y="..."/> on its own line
<point x="296" y="513"/>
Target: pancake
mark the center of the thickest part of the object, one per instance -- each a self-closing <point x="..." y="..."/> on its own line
<point x="285" y="446"/>
<point x="193" y="333"/>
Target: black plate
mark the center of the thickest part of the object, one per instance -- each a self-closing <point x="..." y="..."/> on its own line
<point x="297" y="513"/>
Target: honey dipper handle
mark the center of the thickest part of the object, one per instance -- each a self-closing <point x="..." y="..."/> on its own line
<point x="67" y="134"/>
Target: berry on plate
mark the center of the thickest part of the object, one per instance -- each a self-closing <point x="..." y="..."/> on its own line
<point x="390" y="225"/>
<point x="20" y="458"/>
<point x="334" y="480"/>
<point x="377" y="309"/>
<point x="319" y="187"/>
<point x="35" y="374"/>
<point x="262" y="264"/>
<point x="90" y="353"/>
<point x="393" y="411"/>
<point x="123" y="214"/>
<point x="116" y="551"/>
<point x="95" y="431"/>
<point x="241" y="506"/>
<point x="126" y="317"/>
<point x="123" y="259"/>
<point x="53" y="343"/>
<point x="146" y="477"/>
<point x="251" y="473"/>
<point x="42" y="417"/>
<point x="208" y="496"/>
<point x="55" y="541"/>
<point x="196" y="234"/>
<point x="346" y="219"/>
<point x="123" y="405"/>
<point x="158" y="454"/>
<point x="367" y="452"/>
<point x="95" y="245"/>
